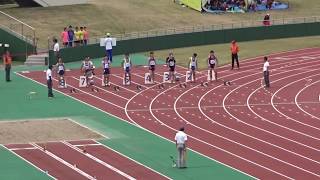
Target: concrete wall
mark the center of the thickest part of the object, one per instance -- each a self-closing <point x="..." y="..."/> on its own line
<point x="191" y="39"/>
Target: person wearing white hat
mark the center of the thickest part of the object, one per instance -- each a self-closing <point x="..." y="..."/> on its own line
<point x="108" y="44"/>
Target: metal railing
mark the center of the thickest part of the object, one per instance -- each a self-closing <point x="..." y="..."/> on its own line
<point x="19" y="29"/>
<point x="202" y="28"/>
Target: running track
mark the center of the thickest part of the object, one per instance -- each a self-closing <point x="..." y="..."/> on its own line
<point x="264" y="133"/>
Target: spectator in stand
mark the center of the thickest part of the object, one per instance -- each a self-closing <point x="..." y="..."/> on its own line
<point x="64" y="37"/>
<point x="81" y="34"/>
<point x="77" y="35"/>
<point x="85" y="36"/>
<point x="269" y="4"/>
<point x="70" y="36"/>
<point x="266" y="20"/>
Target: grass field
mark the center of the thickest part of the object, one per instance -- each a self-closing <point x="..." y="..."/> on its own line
<point x="128" y="16"/>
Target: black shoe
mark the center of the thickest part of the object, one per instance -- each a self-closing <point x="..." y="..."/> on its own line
<point x="9" y="80"/>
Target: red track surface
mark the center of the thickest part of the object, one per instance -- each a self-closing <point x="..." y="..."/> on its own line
<point x="266" y="133"/>
<point x="68" y="160"/>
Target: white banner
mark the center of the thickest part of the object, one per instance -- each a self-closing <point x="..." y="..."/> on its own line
<point x="147" y="78"/>
<point x="166" y="78"/>
<point x="189" y="76"/>
<point x="82" y="81"/>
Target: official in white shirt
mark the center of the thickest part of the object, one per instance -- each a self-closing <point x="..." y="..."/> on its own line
<point x="108" y="44"/>
<point x="56" y="49"/>
<point x="49" y="81"/>
<point x="181" y="139"/>
<point x="266" y="72"/>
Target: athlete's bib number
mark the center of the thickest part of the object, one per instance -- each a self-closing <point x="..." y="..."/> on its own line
<point x="152" y="63"/>
<point x="60" y="68"/>
<point x="171" y="63"/>
<point x="212" y="61"/>
<point x="106" y="65"/>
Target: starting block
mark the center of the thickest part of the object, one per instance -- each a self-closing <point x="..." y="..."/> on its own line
<point x="161" y="86"/>
<point x="213" y="74"/>
<point x="189" y="76"/>
<point x="147" y="78"/>
<point x="73" y="90"/>
<point x="204" y="84"/>
<point x="183" y="85"/>
<point x="116" y="88"/>
<point x="82" y="81"/>
<point x="139" y="88"/>
<point x="126" y="80"/>
<point x="227" y="83"/>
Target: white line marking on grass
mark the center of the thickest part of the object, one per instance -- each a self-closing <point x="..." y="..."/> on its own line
<point x="64" y="162"/>
<point x="44" y="171"/>
<point x="99" y="161"/>
<point x="121" y="154"/>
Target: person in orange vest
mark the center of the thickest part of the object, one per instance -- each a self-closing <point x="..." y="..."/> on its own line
<point x="7" y="61"/>
<point x="234" y="53"/>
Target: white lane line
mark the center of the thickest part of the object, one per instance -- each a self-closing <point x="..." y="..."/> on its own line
<point x="287" y="85"/>
<point x="147" y="167"/>
<point x="100" y="89"/>
<point x="99" y="161"/>
<point x="298" y="104"/>
<point x="123" y="87"/>
<point x="271" y="122"/>
<point x="211" y="145"/>
<point x="78" y="89"/>
<point x="44" y="171"/>
<point x="248" y="124"/>
<point x="64" y="162"/>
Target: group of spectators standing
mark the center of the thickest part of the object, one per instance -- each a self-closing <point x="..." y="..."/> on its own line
<point x="224" y="5"/>
<point x="77" y="37"/>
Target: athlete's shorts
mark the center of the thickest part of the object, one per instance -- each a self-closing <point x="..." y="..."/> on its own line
<point x="172" y="68"/>
<point x="106" y="71"/>
<point x="61" y="72"/>
<point x="212" y="66"/>
<point x="127" y="69"/>
<point x="152" y="67"/>
<point x="193" y="68"/>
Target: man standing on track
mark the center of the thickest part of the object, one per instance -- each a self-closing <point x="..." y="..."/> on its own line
<point x="49" y="81"/>
<point x="108" y="44"/>
<point x="234" y="53"/>
<point x="127" y="64"/>
<point x="266" y="72"/>
<point x="181" y="139"/>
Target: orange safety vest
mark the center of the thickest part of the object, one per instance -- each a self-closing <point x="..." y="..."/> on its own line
<point x="7" y="60"/>
<point x="234" y="48"/>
